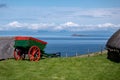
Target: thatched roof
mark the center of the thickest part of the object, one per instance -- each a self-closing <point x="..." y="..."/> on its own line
<point x="114" y="41"/>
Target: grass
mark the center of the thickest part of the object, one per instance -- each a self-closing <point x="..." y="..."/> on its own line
<point x="73" y="68"/>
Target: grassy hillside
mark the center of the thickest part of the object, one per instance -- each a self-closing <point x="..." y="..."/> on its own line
<point x="75" y="68"/>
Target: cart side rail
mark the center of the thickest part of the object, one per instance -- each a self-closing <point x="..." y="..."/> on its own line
<point x="29" y="38"/>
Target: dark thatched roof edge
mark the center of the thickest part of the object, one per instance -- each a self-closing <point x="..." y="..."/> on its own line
<point x="114" y="41"/>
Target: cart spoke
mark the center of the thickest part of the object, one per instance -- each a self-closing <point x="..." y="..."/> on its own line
<point x="34" y="53"/>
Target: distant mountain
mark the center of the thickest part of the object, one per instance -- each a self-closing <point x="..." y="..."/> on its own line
<point x="41" y="33"/>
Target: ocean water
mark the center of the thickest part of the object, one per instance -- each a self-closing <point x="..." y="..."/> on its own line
<point x="70" y="46"/>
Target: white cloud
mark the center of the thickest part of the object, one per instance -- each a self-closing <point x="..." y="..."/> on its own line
<point x="70" y="24"/>
<point x="107" y="25"/>
<point x="28" y="26"/>
<point x="15" y="24"/>
<point x="41" y="26"/>
<point x="67" y="26"/>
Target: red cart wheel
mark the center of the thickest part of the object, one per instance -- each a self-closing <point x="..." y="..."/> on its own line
<point x="34" y="53"/>
<point x="17" y="54"/>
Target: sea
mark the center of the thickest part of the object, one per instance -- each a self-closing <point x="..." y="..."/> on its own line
<point x="72" y="45"/>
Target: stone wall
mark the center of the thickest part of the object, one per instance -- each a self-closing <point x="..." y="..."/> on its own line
<point x="6" y="47"/>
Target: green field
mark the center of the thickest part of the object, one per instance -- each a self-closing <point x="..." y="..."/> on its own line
<point x="73" y="68"/>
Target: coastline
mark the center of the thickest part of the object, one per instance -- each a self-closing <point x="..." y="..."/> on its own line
<point x="93" y="54"/>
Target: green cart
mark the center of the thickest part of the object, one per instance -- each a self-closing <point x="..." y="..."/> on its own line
<point x="29" y="45"/>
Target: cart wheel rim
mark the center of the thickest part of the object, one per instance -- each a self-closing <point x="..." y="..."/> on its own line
<point x="17" y="54"/>
<point x="34" y="53"/>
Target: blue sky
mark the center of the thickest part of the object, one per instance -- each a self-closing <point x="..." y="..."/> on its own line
<point x="64" y="3"/>
<point x="59" y="15"/>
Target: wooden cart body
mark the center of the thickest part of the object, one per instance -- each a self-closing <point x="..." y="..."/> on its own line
<point x="28" y="45"/>
<point x="27" y="42"/>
